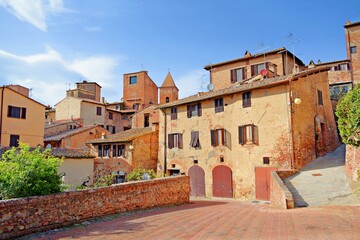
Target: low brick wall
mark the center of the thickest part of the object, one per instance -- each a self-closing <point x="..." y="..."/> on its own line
<point x="26" y="215"/>
<point x="280" y="196"/>
<point x="352" y="162"/>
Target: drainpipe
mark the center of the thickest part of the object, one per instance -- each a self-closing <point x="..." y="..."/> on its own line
<point x="291" y="127"/>
<point x="351" y="62"/>
<point x="165" y="157"/>
<point x="1" y="112"/>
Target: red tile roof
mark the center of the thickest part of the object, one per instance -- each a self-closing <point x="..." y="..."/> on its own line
<point x="71" y="132"/>
<point x="125" y="136"/>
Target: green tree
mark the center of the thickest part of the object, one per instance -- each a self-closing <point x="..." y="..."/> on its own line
<point x="25" y="172"/>
<point x="348" y="113"/>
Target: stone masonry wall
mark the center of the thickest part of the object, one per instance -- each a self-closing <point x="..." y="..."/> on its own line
<point x="280" y="196"/>
<point x="352" y="162"/>
<point x="26" y="215"/>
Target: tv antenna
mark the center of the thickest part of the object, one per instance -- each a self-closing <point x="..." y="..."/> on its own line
<point x="293" y="41"/>
<point x="30" y="92"/>
<point x="262" y="48"/>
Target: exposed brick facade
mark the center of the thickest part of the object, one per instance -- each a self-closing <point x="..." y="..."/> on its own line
<point x="280" y="196"/>
<point x="26" y="215"/>
<point x="352" y="37"/>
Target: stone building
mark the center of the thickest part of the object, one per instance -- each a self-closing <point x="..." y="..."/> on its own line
<point x="124" y="151"/>
<point x="19" y="117"/>
<point x="228" y="140"/>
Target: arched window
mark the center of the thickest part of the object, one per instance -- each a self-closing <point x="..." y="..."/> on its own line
<point x="167" y="99"/>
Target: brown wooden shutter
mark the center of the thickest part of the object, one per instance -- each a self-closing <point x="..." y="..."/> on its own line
<point x="188" y="111"/>
<point x="233" y="75"/>
<point x="23" y="113"/>
<point x="180" y="142"/>
<point x="100" y="151"/>
<point x="255" y="135"/>
<point x="241" y="135"/>
<point x="114" y="151"/>
<point x="249" y="99"/>
<point x="267" y="65"/>
<point x="197" y="140"/>
<point x="253" y="70"/>
<point x="227" y="139"/>
<point x="199" y="109"/>
<point x="192" y="139"/>
<point x="212" y="132"/>
<point x="244" y="73"/>
<point x="170" y="141"/>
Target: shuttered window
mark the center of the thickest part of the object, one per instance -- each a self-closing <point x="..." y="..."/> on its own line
<point x="219" y="105"/>
<point x="120" y="150"/>
<point x="256" y="69"/>
<point x="194" y="110"/>
<point x="173" y="113"/>
<point x="195" y="141"/>
<point x="175" y="140"/>
<point x="246" y="97"/>
<point x="238" y="75"/>
<point x="248" y="134"/>
<point x="100" y="151"/>
<point x="16" y="112"/>
<point x="220" y="137"/>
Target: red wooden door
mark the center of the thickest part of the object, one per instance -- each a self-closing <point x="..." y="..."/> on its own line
<point x="197" y="181"/>
<point x="222" y="182"/>
<point x="262" y="182"/>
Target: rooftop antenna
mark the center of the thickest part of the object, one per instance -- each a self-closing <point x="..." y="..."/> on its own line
<point x="262" y="48"/>
<point x="293" y="41"/>
<point x="30" y="92"/>
<point x="142" y="66"/>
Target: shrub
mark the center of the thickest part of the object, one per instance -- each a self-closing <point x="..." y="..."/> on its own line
<point x="25" y="172"/>
<point x="348" y="113"/>
<point x="104" y="181"/>
<point x="137" y="174"/>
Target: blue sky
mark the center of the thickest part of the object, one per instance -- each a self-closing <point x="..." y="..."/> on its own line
<point x="48" y="44"/>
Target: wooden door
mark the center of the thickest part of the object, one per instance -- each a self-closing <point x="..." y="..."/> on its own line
<point x="262" y="182"/>
<point x="222" y="182"/>
<point x="197" y="181"/>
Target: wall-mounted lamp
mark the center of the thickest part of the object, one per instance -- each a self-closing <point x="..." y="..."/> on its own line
<point x="131" y="147"/>
<point x="297" y="101"/>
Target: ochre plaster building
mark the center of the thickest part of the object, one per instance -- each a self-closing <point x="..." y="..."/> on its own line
<point x="21" y="118"/>
<point x="228" y="140"/>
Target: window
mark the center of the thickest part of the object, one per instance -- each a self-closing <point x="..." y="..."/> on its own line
<point x="146" y="120"/>
<point x="114" y="150"/>
<point x="133" y="80"/>
<point x="219" y="105"/>
<point x="113" y="130"/>
<point x="14" y="140"/>
<point x="220" y="137"/>
<point x="136" y="106"/>
<point x="98" y="111"/>
<point x="173" y="113"/>
<point x="246" y="97"/>
<point x="194" y="110"/>
<point x="100" y="151"/>
<point x="320" y="99"/>
<point x="238" y="75"/>
<point x="175" y="140"/>
<point x="248" y="134"/>
<point x="195" y="142"/>
<point x="256" y="69"/>
<point x="353" y="49"/>
<point x="340" y="67"/>
<point x="120" y="150"/>
<point x="110" y="115"/>
<point x="16" y="112"/>
<point x="167" y="99"/>
<point x="106" y="152"/>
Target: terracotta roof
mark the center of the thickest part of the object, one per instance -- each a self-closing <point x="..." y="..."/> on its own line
<point x="86" y="82"/>
<point x="91" y="101"/>
<point x="276" y="51"/>
<point x="169" y="81"/>
<point x="61" y="152"/>
<point x="329" y="63"/>
<point x="349" y="24"/>
<point x="61" y="122"/>
<point x="244" y="86"/>
<point x="6" y="87"/>
<point x="125" y="136"/>
<point x="68" y="133"/>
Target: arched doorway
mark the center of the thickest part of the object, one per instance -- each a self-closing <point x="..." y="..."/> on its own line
<point x="197" y="181"/>
<point x="222" y="182"/>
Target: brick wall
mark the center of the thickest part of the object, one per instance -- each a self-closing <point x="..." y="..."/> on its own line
<point x="352" y="162"/>
<point x="280" y="196"/>
<point x="26" y="215"/>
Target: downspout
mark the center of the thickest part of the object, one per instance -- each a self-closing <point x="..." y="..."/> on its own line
<point x="291" y="127"/>
<point x="1" y="112"/>
<point x="165" y="157"/>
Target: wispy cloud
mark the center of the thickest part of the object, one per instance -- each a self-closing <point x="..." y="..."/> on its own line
<point x="193" y="82"/>
<point x="49" y="73"/>
<point x="35" y="11"/>
<point x="93" y="29"/>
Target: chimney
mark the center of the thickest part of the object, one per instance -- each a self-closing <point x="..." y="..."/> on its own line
<point x="103" y="100"/>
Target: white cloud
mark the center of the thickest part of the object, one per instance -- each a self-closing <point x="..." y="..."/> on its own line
<point x="193" y="82"/>
<point x="93" y="29"/>
<point x="49" y="73"/>
<point x="34" y="11"/>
